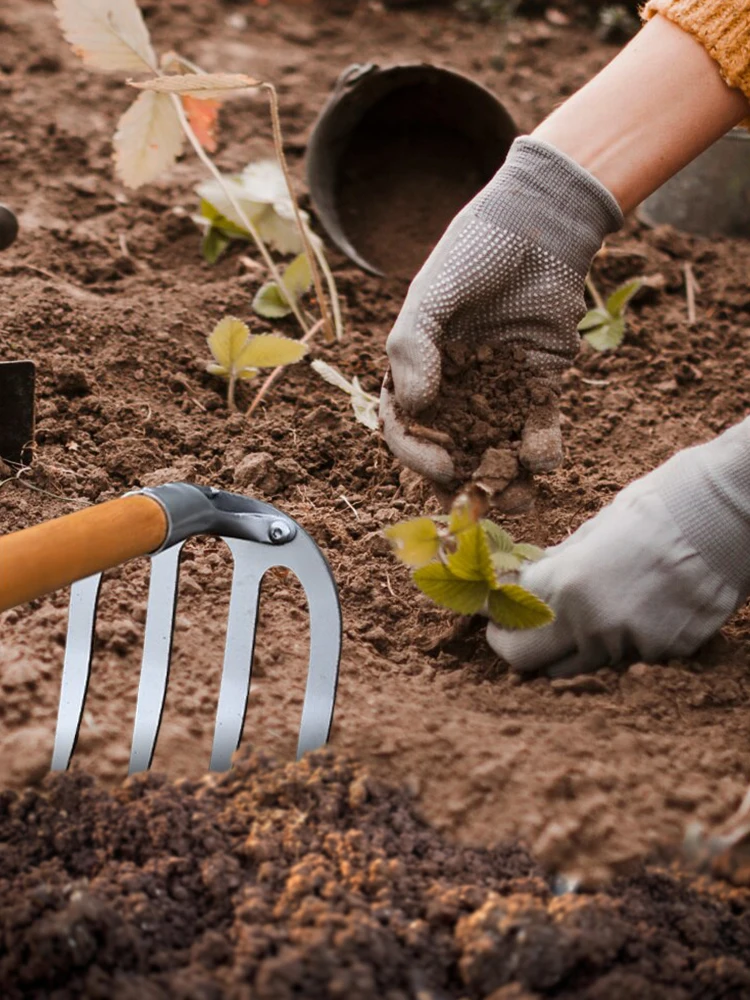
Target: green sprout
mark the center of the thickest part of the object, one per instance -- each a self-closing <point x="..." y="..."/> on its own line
<point x="604" y="326"/>
<point x="462" y="562"/>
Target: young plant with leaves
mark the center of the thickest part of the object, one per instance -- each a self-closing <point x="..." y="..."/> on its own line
<point x="239" y="355"/>
<point x="462" y="562"/>
<point x="604" y="326"/>
<point x="111" y="36"/>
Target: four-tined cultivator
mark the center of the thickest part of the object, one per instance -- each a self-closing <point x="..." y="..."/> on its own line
<point x="77" y="548"/>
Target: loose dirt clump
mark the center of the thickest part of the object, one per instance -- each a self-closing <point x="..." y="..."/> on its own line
<point x="479" y="414"/>
<point x="316" y="881"/>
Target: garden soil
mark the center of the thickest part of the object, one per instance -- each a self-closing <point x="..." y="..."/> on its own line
<point x="421" y="854"/>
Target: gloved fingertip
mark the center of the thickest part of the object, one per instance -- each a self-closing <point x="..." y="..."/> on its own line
<point x="570" y="666"/>
<point x="426" y="457"/>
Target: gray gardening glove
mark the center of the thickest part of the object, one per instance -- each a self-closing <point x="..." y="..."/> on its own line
<point x="510" y="268"/>
<point x="654" y="574"/>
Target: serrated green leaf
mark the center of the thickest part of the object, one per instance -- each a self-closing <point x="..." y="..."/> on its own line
<point x="267" y="350"/>
<point x="594" y="318"/>
<point x="608" y="336"/>
<point x="513" y="607"/>
<point x="464" y="596"/>
<point x="531" y="553"/>
<point x="471" y="558"/>
<point x="270" y="302"/>
<point x="214" y="244"/>
<point x="227" y="341"/>
<point x="505" y="562"/>
<point x="619" y="299"/>
<point x="414" y="542"/>
<point x="499" y="539"/>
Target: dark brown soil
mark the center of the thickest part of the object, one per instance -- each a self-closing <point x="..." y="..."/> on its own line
<point x="399" y="191"/>
<point x="316" y="881"/>
<point x="107" y="291"/>
<point x="483" y="401"/>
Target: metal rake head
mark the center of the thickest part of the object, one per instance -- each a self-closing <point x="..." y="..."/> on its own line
<point x="259" y="537"/>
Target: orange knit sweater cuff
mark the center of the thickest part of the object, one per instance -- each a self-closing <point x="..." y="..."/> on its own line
<point x="723" y="29"/>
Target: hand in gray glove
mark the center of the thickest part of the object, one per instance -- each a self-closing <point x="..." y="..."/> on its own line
<point x="654" y="574"/>
<point x="510" y="269"/>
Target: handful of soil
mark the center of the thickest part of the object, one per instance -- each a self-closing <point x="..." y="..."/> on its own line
<point x="479" y="414"/>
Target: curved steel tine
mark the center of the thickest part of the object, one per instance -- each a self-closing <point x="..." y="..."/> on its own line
<point x="303" y="557"/>
<point x="250" y="563"/>
<point x="157" y="651"/>
<point x="84" y="595"/>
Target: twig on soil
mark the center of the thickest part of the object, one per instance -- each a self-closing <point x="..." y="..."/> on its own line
<point x="388" y="584"/>
<point x="37" y="489"/>
<point x="691" y="287"/>
<point x="350" y="505"/>
<point x="277" y="371"/>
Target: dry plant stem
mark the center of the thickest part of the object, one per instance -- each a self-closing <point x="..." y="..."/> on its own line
<point x="690" y="284"/>
<point x="333" y="293"/>
<point x="594" y="293"/>
<point x="277" y="371"/>
<point x="211" y="166"/>
<point x="278" y="141"/>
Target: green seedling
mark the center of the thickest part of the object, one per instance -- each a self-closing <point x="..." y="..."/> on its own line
<point x="463" y="561"/>
<point x="364" y="404"/>
<point x="111" y="36"/>
<point x="604" y="326"/>
<point x="239" y="355"/>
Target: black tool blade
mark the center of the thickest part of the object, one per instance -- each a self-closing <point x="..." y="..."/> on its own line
<point x="17" y="380"/>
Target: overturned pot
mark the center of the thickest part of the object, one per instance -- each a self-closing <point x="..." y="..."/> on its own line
<point x="395" y="153"/>
<point x="711" y="195"/>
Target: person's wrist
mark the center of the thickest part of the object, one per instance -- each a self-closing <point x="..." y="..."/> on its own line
<point x="543" y="196"/>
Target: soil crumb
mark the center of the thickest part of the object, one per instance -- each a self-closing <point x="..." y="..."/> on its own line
<point x="314" y="880"/>
<point x="479" y="414"/>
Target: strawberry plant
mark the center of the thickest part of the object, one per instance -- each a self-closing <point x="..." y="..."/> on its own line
<point x="238" y="355"/>
<point x="466" y="563"/>
<point x="111" y="36"/>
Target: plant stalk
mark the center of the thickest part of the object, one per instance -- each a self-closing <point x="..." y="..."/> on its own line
<point x="278" y="141"/>
<point x="333" y="295"/>
<point x="595" y="294"/>
<point x="216" y="173"/>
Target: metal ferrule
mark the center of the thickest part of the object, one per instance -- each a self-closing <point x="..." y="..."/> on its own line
<point x="203" y="510"/>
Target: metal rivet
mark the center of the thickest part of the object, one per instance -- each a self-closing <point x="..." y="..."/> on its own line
<point x="279" y="531"/>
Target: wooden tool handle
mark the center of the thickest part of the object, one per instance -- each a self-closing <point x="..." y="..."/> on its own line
<point x="44" y="558"/>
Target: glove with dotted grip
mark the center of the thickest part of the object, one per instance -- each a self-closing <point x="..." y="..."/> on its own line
<point x="654" y="574"/>
<point x="510" y="269"/>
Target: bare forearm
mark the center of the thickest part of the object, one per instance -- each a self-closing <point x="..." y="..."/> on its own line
<point x="652" y="110"/>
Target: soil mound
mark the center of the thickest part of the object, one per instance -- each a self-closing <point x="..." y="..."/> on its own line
<point x="315" y="881"/>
